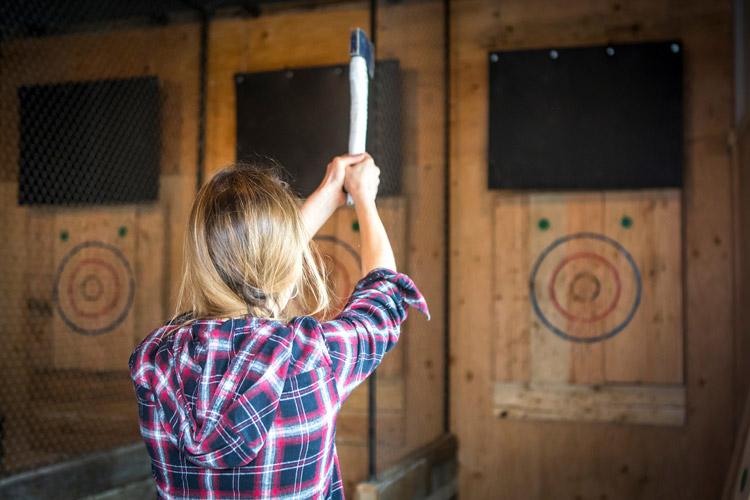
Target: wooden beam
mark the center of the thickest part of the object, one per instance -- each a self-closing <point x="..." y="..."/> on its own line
<point x="414" y="477"/>
<point x="633" y="404"/>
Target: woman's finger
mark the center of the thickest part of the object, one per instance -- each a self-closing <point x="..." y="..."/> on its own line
<point x="347" y="160"/>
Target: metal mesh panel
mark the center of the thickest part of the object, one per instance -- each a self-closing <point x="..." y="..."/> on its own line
<point x="98" y="106"/>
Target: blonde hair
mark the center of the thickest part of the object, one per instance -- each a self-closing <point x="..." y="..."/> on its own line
<point x="246" y="249"/>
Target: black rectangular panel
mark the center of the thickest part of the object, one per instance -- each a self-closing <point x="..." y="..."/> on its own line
<point x="95" y="142"/>
<point x="300" y="117"/>
<point x="606" y="117"/>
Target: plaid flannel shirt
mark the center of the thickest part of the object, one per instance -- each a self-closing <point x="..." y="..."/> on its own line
<point x="246" y="408"/>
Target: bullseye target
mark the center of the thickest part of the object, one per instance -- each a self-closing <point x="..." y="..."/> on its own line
<point x="343" y="268"/>
<point x="585" y="287"/>
<point x="94" y="288"/>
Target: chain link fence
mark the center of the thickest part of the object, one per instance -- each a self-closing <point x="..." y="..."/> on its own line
<point x="98" y="125"/>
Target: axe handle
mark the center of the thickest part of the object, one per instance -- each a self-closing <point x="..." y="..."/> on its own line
<point x="358" y="87"/>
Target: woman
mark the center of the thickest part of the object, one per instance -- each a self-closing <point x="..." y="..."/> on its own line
<point x="237" y="399"/>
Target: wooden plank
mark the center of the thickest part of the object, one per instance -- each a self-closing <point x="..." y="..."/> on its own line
<point x="586" y="287"/>
<point x="471" y="255"/>
<point x="14" y="397"/>
<point x="411" y="482"/>
<point x="708" y="309"/>
<point x="631" y="404"/>
<point x="512" y="321"/>
<point x="352" y="428"/>
<point x="68" y="58"/>
<point x="150" y="301"/>
<point x="390" y="396"/>
<point x="227" y="55"/>
<point x="391" y="417"/>
<point x="415" y="475"/>
<point x="550" y="354"/>
<point x="178" y="78"/>
<point x="648" y="225"/>
<point x="413" y="33"/>
<point x="121" y="469"/>
<point x="353" y="461"/>
<point x="40" y="276"/>
<point x="741" y="183"/>
<point x="177" y="195"/>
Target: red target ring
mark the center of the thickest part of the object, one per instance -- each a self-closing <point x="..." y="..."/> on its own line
<point x="585" y="255"/>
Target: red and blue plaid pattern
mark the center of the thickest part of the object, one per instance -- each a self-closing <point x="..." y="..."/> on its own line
<point x="246" y="408"/>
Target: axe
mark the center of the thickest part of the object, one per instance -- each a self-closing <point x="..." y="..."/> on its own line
<point x="361" y="69"/>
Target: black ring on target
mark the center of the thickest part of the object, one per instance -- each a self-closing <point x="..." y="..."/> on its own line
<point x="605" y="239"/>
<point x="131" y="294"/>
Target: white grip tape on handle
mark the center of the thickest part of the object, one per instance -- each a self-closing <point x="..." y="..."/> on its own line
<point x="358" y="87"/>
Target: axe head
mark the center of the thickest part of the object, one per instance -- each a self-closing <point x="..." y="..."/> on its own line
<point x="361" y="47"/>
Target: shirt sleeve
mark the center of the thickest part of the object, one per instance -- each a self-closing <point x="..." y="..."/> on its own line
<point x="369" y="326"/>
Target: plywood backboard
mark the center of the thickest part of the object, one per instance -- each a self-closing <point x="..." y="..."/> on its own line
<point x="588" y="293"/>
<point x="104" y="259"/>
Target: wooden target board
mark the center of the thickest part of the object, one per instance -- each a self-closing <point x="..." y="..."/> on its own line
<point x="588" y="307"/>
<point x="93" y="290"/>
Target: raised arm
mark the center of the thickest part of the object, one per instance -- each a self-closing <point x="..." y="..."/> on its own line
<point x="329" y="196"/>
<point x="362" y="181"/>
<point x="370" y="324"/>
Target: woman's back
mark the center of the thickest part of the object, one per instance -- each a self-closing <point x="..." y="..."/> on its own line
<point x="246" y="408"/>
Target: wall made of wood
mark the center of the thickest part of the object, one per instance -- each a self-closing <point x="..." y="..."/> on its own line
<point x="736" y="486"/>
<point x="516" y="459"/>
<point x="742" y="202"/>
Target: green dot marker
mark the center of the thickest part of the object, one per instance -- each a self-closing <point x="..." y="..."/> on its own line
<point x="122" y="231"/>
<point x="626" y="222"/>
<point x="64" y="235"/>
<point x="355" y="226"/>
<point x="544" y="224"/>
<point x="743" y="481"/>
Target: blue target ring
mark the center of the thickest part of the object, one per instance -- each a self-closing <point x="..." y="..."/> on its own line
<point x="565" y="335"/>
